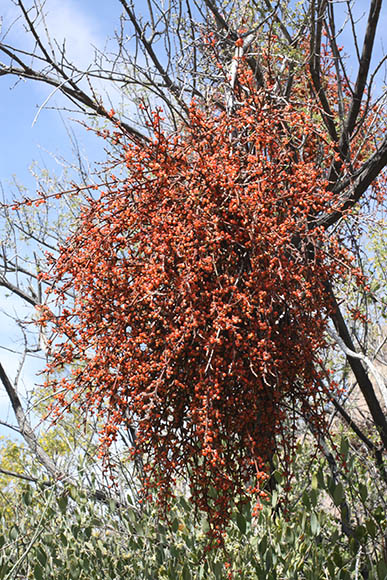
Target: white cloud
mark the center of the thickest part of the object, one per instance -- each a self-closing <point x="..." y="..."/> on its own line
<point x="65" y="20"/>
<point x="80" y="27"/>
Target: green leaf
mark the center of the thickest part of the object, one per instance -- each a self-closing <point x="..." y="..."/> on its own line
<point x="344" y="447"/>
<point x="218" y="569"/>
<point x="27" y="498"/>
<point x="381" y="569"/>
<point x="338" y="494"/>
<point x="73" y="492"/>
<point x="186" y="573"/>
<point x="354" y="545"/>
<point x="175" y="525"/>
<point x="360" y="532"/>
<point x="259" y="570"/>
<point x="241" y="521"/>
<point x="371" y="527"/>
<point x="62" y="502"/>
<point x="345" y="575"/>
<point x="246" y="510"/>
<point x="184" y="504"/>
<point x="87" y="532"/>
<point x="278" y="476"/>
<point x="314" y="481"/>
<point x="75" y="530"/>
<point x="313" y="497"/>
<point x="63" y="539"/>
<point x="263" y="546"/>
<point x="268" y="560"/>
<point x="314" y="524"/>
<point x="335" y="536"/>
<point x="378" y="514"/>
<point x="337" y="558"/>
<point x="42" y="557"/>
<point x="38" y="572"/>
<point x="290" y="536"/>
<point x="305" y="499"/>
<point x="320" y="478"/>
<point x="363" y="491"/>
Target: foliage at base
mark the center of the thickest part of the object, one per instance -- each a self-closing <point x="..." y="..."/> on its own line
<point x="62" y="533"/>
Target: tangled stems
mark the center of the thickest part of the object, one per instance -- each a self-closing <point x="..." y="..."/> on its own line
<point x="200" y="297"/>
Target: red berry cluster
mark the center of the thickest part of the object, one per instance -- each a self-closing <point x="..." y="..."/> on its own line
<point x="200" y="296"/>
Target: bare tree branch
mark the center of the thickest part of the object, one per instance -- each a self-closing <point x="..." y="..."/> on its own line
<point x="25" y="427"/>
<point x="360" y="85"/>
<point x="352" y="188"/>
<point x="358" y="370"/>
<point x="28" y="297"/>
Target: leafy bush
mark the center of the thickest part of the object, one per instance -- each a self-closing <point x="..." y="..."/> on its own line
<point x="63" y="533"/>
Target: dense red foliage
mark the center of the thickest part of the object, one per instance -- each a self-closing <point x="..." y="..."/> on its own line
<point x="200" y="298"/>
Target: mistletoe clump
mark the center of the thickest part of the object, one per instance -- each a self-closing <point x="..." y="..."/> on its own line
<point x="200" y="283"/>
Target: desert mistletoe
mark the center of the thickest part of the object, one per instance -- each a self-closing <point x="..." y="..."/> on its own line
<point x="200" y="282"/>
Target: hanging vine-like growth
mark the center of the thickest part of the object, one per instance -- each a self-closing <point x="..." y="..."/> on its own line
<point x="201" y="293"/>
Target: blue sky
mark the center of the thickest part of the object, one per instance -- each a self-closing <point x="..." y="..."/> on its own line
<point x="28" y="138"/>
<point x="83" y="23"/>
